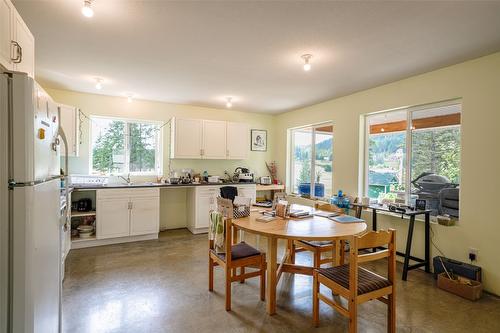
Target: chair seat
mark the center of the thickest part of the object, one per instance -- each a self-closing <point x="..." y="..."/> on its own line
<point x="240" y="251"/>
<point x="367" y="281"/>
<point x="317" y="243"/>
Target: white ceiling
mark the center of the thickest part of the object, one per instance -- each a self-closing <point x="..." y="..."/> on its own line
<point x="200" y="52"/>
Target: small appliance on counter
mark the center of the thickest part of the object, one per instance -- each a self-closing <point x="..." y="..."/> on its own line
<point x="265" y="180"/>
<point x="84" y="205"/>
<point x="243" y="175"/>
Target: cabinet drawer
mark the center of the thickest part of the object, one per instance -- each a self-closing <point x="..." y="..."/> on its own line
<point x="144" y="192"/>
<point x="208" y="190"/>
<point x="112" y="193"/>
<point x="127" y="193"/>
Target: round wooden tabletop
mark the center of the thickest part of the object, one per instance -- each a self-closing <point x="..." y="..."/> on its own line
<point x="311" y="228"/>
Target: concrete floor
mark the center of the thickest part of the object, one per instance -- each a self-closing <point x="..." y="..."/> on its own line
<point x="161" y="286"/>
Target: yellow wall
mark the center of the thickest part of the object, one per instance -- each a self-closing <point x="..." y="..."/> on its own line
<point x="173" y="200"/>
<point x="477" y="82"/>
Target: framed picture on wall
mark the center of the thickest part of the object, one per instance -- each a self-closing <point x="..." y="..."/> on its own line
<point x="258" y="140"/>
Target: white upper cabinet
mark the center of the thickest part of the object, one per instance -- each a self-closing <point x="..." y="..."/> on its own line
<point x="238" y="140"/>
<point x="17" y="44"/>
<point x="208" y="139"/>
<point x="70" y="125"/>
<point x="24" y="47"/>
<point x="6" y="33"/>
<point x="214" y="139"/>
<point x="186" y="138"/>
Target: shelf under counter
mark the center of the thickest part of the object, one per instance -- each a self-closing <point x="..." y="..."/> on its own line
<point x="82" y="214"/>
<point x="77" y="239"/>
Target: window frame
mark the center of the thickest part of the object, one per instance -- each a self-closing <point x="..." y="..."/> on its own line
<point x="408" y="143"/>
<point x="290" y="157"/>
<point x="126" y="170"/>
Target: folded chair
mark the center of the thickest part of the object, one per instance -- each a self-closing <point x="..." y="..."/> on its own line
<point x="320" y="247"/>
<point x="242" y="255"/>
<point x="357" y="284"/>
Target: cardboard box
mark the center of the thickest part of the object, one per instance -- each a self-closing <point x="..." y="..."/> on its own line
<point x="472" y="291"/>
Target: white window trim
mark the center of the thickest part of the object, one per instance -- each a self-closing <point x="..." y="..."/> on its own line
<point x="158" y="153"/>
<point x="409" y="112"/>
<point x="290" y="151"/>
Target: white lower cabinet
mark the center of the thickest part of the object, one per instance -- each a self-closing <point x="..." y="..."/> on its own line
<point x="112" y="218"/>
<point x="144" y="216"/>
<point x="248" y="191"/>
<point x="127" y="212"/>
<point x="203" y="199"/>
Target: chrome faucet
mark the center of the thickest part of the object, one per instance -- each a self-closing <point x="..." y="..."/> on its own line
<point x="126" y="179"/>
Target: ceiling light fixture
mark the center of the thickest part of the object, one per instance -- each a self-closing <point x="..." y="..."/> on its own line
<point x="87" y="10"/>
<point x="98" y="83"/>
<point x="229" y="102"/>
<point x="307" y="64"/>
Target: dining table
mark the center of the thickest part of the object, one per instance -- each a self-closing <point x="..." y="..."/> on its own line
<point x="315" y="227"/>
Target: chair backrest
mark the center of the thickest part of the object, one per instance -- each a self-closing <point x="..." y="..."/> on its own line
<point x="277" y="197"/>
<point x="328" y="207"/>
<point x="370" y="240"/>
<point x="225" y="206"/>
<point x="229" y="192"/>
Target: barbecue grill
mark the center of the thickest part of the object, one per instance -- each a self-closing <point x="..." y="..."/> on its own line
<point x="428" y="185"/>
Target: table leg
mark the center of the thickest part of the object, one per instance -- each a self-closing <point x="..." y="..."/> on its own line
<point x="358" y="211"/>
<point x="427" y="242"/>
<point x="408" y="247"/>
<point x="272" y="249"/>
<point x="374" y="224"/>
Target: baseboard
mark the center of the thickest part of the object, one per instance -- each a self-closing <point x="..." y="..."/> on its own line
<point x="110" y="241"/>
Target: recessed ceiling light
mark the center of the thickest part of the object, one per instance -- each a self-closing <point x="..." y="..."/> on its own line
<point x="307" y="64"/>
<point x="87" y="10"/>
<point x="229" y="102"/>
<point x="98" y="83"/>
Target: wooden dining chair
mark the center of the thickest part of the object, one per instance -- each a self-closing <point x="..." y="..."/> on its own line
<point x="320" y="247"/>
<point x="357" y="284"/>
<point x="242" y="255"/>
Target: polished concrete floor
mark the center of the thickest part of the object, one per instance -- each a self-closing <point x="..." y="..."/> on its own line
<point x="161" y="286"/>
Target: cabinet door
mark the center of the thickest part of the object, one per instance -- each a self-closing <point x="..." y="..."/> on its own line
<point x="144" y="216"/>
<point x="249" y="191"/>
<point x="69" y="123"/>
<point x="187" y="138"/>
<point x="214" y="139"/>
<point x="6" y="33"/>
<point x="26" y="41"/>
<point x="206" y="200"/>
<point x="238" y="141"/>
<point x="112" y="218"/>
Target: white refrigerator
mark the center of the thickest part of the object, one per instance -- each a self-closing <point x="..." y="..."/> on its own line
<point x="30" y="249"/>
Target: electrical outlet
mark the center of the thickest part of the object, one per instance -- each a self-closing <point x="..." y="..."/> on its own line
<point x="473" y="252"/>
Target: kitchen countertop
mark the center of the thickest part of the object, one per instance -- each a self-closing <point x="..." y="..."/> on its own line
<point x="149" y="185"/>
